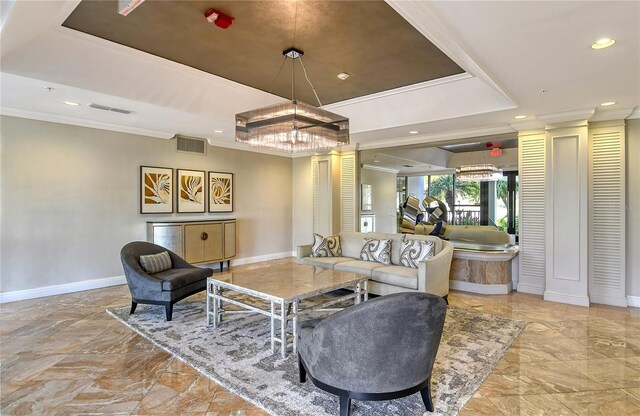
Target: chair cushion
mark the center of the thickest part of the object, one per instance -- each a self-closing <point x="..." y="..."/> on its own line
<point x="155" y="263"/>
<point x="415" y="251"/>
<point x="396" y="276"/>
<point x="326" y="246"/>
<point x="358" y="267"/>
<point x="325" y="262"/>
<point x="376" y="250"/>
<point x="173" y="279"/>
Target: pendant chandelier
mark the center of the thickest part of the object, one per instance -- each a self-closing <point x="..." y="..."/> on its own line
<point x="482" y="173"/>
<point x="292" y="126"/>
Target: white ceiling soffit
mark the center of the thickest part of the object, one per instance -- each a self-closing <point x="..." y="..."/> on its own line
<point x="524" y="46"/>
<point x="56" y="54"/>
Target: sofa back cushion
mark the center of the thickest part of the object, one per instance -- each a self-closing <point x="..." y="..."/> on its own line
<point x="396" y="244"/>
<point x="351" y="242"/>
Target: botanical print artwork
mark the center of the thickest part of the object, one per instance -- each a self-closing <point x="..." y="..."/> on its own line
<point x="156" y="192"/>
<point x="190" y="190"/>
<point x="220" y="192"/>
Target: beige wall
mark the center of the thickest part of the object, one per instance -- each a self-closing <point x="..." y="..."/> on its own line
<point x="633" y="207"/>
<point x="70" y="200"/>
<point x="383" y="196"/>
<point x="302" y="192"/>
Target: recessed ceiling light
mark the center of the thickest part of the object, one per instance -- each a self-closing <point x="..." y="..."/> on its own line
<point x="218" y="131"/>
<point x="376" y="161"/>
<point x="71" y="103"/>
<point x="343" y="76"/>
<point x="603" y="43"/>
<point x="520" y="117"/>
<point x="608" y="103"/>
<point x="413" y="132"/>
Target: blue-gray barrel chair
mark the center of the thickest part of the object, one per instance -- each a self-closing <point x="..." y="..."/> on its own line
<point x="163" y="288"/>
<point x="381" y="349"/>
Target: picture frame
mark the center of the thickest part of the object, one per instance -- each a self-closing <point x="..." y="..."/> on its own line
<point x="191" y="193"/>
<point x="156" y="190"/>
<point x="220" y="191"/>
<point x="366" y="203"/>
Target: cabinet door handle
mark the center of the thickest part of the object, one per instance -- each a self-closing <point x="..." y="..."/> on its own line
<point x="204" y="236"/>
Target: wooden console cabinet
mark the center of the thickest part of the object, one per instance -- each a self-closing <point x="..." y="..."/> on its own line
<point x="196" y="241"/>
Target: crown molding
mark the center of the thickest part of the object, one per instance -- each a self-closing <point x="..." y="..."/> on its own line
<point x="634" y="114"/>
<point x="584" y="114"/>
<point x="55" y="118"/>
<point x="380" y="168"/>
<point x="435" y="137"/>
<point x="612" y="114"/>
<point x="400" y="90"/>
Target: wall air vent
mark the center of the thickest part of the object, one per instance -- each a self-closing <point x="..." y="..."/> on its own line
<point x="191" y="144"/>
<point x="106" y="108"/>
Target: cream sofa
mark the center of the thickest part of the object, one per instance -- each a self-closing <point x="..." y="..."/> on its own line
<point x="431" y="276"/>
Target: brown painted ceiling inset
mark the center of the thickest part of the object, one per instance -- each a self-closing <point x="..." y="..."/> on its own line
<point x="367" y="39"/>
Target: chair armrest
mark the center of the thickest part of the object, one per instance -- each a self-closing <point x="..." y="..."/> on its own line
<point x="140" y="282"/>
<point x="304" y="251"/>
<point x="433" y="273"/>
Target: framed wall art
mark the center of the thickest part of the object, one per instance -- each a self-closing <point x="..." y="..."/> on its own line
<point x="191" y="190"/>
<point x="156" y="190"/>
<point x="220" y="192"/>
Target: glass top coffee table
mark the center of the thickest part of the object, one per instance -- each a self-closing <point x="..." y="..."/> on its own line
<point x="282" y="287"/>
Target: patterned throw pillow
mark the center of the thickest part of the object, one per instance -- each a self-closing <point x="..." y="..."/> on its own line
<point x="326" y="246"/>
<point x="415" y="251"/>
<point x="376" y="250"/>
<point x="156" y="263"/>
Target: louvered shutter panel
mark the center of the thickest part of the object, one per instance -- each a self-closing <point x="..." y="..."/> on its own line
<point x="532" y="214"/>
<point x="348" y="193"/>
<point x="607" y="216"/>
<point x="316" y="179"/>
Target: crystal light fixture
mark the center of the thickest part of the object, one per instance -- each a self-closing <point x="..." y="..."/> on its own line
<point x="292" y="126"/>
<point x="483" y="173"/>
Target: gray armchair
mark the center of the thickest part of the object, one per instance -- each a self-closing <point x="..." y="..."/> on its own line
<point x="381" y="349"/>
<point x="164" y="288"/>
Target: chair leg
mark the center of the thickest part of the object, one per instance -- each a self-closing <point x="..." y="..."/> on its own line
<point x="134" y="304"/>
<point x="446" y="298"/>
<point x="345" y="405"/>
<point x="301" y="370"/>
<point x="426" y="396"/>
<point x="168" y="309"/>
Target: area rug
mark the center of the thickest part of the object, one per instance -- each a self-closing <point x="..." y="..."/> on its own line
<point x="237" y="356"/>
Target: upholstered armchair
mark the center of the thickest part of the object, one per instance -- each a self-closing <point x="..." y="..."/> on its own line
<point x="381" y="349"/>
<point x="165" y="287"/>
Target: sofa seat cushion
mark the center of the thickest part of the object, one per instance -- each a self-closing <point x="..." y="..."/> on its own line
<point x="173" y="279"/>
<point x="325" y="262"/>
<point x="358" y="267"/>
<point x="396" y="276"/>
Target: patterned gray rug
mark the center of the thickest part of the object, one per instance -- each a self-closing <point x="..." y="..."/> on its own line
<point x="238" y="357"/>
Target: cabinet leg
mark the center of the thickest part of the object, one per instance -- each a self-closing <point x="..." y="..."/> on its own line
<point x="221" y="265"/>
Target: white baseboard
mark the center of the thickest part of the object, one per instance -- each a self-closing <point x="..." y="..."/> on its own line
<point x="566" y="298"/>
<point x="265" y="257"/>
<point x="41" y="292"/>
<point x="620" y="301"/>
<point x="532" y="289"/>
<point x="633" y="301"/>
<point x="480" y="288"/>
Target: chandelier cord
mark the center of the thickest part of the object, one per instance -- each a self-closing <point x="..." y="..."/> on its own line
<point x="305" y="75"/>
<point x="273" y="83"/>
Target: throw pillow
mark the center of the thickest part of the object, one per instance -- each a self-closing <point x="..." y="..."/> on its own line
<point x="415" y="251"/>
<point x="156" y="263"/>
<point x="326" y="246"/>
<point x="376" y="250"/>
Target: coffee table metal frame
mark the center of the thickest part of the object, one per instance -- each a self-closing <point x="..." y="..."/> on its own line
<point x="288" y="307"/>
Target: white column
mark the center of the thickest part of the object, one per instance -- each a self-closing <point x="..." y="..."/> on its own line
<point x="566" y="197"/>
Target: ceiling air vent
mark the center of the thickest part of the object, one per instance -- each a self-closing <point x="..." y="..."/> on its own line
<point x="106" y="108"/>
<point x="191" y="145"/>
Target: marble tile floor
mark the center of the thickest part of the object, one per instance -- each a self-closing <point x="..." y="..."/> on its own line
<point x="64" y="355"/>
